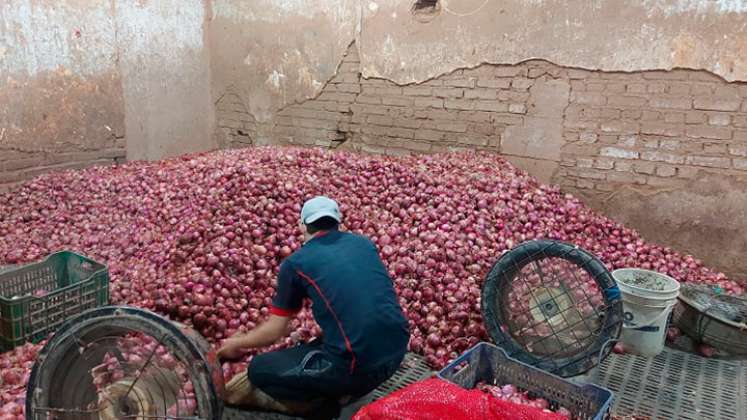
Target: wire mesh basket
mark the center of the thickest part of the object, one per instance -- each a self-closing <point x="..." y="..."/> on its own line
<point x="552" y="305"/>
<point x="714" y="318"/>
<point x="121" y="362"/>
<point x="37" y="298"/>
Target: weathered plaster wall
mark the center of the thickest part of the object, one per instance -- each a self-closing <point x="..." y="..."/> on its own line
<point x="610" y="35"/>
<point x="77" y="76"/>
<point x="274" y="53"/>
<point x="61" y="102"/>
<point x="165" y="67"/>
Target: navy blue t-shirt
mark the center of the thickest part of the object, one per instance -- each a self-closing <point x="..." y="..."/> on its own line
<point x="353" y="299"/>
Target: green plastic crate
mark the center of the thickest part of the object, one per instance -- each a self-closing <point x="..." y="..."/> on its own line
<point x="72" y="283"/>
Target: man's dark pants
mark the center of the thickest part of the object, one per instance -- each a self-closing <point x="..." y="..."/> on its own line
<point x="307" y="373"/>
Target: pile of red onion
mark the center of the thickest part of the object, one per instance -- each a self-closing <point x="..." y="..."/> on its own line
<point x="15" y="367"/>
<point x="509" y="392"/>
<point x="200" y="238"/>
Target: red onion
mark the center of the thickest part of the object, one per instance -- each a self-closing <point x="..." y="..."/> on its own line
<point x="508" y="392"/>
<point x="706" y="351"/>
<point x="11" y="377"/>
<point x="673" y="333"/>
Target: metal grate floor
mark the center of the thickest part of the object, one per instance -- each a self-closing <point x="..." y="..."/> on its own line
<point x="676" y="385"/>
<point x="412" y="369"/>
<point x="673" y="385"/>
<point x="235" y="414"/>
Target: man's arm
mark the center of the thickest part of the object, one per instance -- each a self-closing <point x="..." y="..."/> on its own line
<point x="266" y="334"/>
<point x="287" y="302"/>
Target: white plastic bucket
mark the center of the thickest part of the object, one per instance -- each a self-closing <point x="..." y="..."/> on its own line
<point x="648" y="299"/>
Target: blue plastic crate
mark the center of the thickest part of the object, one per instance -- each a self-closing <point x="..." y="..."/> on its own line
<point x="487" y="363"/>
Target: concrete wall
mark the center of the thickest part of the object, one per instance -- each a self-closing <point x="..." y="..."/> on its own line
<point x="165" y="67"/>
<point x="266" y="54"/>
<point x="639" y="107"/>
<point x="93" y="82"/>
<point x="61" y="99"/>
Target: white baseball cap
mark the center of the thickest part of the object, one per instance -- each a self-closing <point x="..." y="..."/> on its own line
<point x="319" y="207"/>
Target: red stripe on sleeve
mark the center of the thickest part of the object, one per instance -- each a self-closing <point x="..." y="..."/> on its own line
<point x="283" y="312"/>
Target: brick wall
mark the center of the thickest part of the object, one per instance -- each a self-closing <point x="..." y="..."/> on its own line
<point x="652" y="128"/>
<point x="327" y="119"/>
<point x="464" y="109"/>
<point x="18" y="165"/>
<point x="603" y="129"/>
<point x="236" y="127"/>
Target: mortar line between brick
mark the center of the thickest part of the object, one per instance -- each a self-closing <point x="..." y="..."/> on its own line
<point x="564" y="117"/>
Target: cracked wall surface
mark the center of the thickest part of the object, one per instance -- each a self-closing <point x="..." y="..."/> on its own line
<point x="609" y="35"/>
<point x="274" y="53"/>
<point x="60" y="88"/>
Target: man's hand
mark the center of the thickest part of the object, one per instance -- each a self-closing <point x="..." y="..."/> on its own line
<point x="267" y="333"/>
<point x="231" y="349"/>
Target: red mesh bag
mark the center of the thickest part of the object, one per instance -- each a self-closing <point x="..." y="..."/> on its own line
<point x="438" y="399"/>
